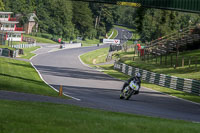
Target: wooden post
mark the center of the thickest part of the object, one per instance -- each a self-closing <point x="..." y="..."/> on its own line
<point x="156" y="59"/>
<point x="196" y="63"/>
<point x="166" y="59"/>
<point x="176" y="60"/>
<point x="146" y="58"/>
<point x="171" y="60"/>
<point x="139" y="55"/>
<point x="60" y="90"/>
<point x="177" y="53"/>
<point x="8" y="42"/>
<point x="189" y="61"/>
<point x="160" y="59"/>
<point x="182" y="61"/>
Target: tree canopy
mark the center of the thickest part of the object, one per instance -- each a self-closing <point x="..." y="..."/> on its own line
<point x="1" y="5"/>
<point x="70" y="19"/>
<point x="63" y="18"/>
<point x="154" y="23"/>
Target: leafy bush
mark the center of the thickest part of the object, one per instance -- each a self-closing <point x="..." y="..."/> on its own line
<point x="47" y="36"/>
<point x="38" y="34"/>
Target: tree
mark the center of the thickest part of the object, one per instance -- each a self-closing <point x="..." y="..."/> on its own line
<point x="1" y="5"/>
<point x="82" y="18"/>
<point x="102" y="17"/>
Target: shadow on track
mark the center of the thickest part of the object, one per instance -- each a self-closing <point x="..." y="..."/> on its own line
<point x="73" y="73"/>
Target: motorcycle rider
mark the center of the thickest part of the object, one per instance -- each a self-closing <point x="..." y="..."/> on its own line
<point x="137" y="79"/>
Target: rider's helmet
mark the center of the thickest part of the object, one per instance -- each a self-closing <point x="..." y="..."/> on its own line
<point x="138" y="75"/>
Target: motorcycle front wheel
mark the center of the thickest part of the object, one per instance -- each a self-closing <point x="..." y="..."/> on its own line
<point x="129" y="94"/>
<point x="123" y="93"/>
<point x="121" y="96"/>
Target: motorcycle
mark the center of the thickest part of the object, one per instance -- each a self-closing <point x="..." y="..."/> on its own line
<point x="129" y="90"/>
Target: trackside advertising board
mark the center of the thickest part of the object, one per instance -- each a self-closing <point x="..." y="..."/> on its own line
<point x="111" y="41"/>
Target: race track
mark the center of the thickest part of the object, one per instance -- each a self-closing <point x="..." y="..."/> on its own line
<point x="100" y="91"/>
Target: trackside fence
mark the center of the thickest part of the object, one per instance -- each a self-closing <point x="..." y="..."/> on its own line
<point x="23" y="46"/>
<point x="182" y="84"/>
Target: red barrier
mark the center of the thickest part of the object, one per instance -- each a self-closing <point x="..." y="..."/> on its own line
<point x="12" y="19"/>
<point x="19" y="29"/>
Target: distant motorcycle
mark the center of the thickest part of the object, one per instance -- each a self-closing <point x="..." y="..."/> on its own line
<point x="129" y="90"/>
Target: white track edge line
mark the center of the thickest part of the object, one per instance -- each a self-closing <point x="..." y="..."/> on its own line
<point x="52" y="86"/>
<point x="117" y="34"/>
<point x="79" y="57"/>
<point x="111" y="35"/>
<point x="49" y="84"/>
<point x="35" y="53"/>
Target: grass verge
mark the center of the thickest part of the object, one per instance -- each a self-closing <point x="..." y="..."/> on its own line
<point x="191" y="72"/>
<point x="23" y="117"/>
<point x="41" y="40"/>
<point x="110" y="32"/>
<point x="115" y="32"/>
<point x="20" y="76"/>
<point x="28" y="52"/>
<point x="95" y="57"/>
<point x="6" y="46"/>
<point x="88" y="42"/>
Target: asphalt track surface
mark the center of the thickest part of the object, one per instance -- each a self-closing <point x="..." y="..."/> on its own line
<point x="123" y="35"/>
<point x="97" y="90"/>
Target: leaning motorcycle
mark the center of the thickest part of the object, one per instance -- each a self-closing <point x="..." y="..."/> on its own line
<point x="129" y="90"/>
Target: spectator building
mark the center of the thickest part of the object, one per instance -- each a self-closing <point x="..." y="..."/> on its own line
<point x="8" y="28"/>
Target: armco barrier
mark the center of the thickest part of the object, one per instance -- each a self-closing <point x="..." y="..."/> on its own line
<point x="186" y="85"/>
<point x="23" y="45"/>
<point x="73" y="45"/>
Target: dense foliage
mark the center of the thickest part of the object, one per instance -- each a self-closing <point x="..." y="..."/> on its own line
<point x="69" y="19"/>
<point x="154" y="23"/>
<point x="64" y="18"/>
<point x="1" y="5"/>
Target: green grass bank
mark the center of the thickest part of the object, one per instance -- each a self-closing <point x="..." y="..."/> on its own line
<point x="23" y="117"/>
<point x="95" y="57"/>
<point x="20" y="76"/>
<point x="114" y="31"/>
<point x="41" y="40"/>
<point x="186" y="71"/>
<point x="88" y="42"/>
<point x="28" y="52"/>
